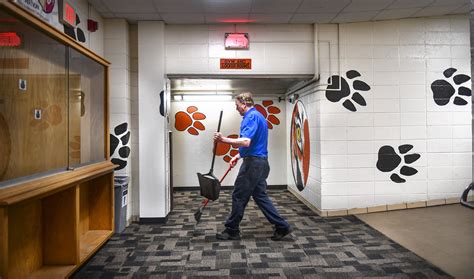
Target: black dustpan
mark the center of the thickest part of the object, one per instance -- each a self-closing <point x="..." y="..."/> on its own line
<point x="210" y="186"/>
<point x="208" y="183"/>
<point x="197" y="215"/>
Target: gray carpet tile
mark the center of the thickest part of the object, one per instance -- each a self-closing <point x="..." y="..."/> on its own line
<point x="335" y="247"/>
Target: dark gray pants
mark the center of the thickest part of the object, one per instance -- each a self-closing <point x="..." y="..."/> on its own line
<point x="251" y="181"/>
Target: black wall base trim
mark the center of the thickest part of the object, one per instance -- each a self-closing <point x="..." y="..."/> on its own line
<point x="159" y="220"/>
<point x="183" y="188"/>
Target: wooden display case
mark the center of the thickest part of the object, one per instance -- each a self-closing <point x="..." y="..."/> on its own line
<point x="51" y="226"/>
<point x="55" y="220"/>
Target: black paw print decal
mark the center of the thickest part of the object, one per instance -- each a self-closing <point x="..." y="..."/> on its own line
<point x="339" y="89"/>
<point x="389" y="160"/>
<point x="71" y="31"/>
<point x="124" y="151"/>
<point x="444" y="90"/>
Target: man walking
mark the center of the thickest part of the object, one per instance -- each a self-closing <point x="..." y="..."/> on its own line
<point x="251" y="180"/>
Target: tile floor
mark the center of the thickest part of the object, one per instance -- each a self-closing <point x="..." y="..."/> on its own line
<point x="443" y="235"/>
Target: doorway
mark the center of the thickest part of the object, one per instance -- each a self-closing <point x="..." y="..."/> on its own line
<point x="194" y="112"/>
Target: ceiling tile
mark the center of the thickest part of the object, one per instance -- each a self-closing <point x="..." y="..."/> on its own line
<point x="178" y="6"/>
<point x="404" y="4"/>
<point x="322" y="6"/>
<point x="107" y="15"/>
<point x="99" y="6"/>
<point x="275" y="6"/>
<point x="396" y="13"/>
<point x="275" y="11"/>
<point x="449" y="2"/>
<point x="138" y="17"/>
<point x="227" y="18"/>
<point x="355" y="17"/>
<point x="366" y="5"/>
<point x="463" y="9"/>
<point x="182" y="18"/>
<point x="124" y="6"/>
<point x="270" y="18"/>
<point x="227" y="6"/>
<point x="312" y="18"/>
<point x="436" y="11"/>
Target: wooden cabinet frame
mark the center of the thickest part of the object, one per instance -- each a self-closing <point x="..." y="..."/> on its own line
<point x="50" y="226"/>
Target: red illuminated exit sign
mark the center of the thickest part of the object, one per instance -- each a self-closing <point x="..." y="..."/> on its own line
<point x="10" y="39"/>
<point x="67" y="13"/>
<point x="236" y="64"/>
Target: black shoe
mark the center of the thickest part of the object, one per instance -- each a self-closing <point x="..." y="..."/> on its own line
<point x="226" y="235"/>
<point x="278" y="234"/>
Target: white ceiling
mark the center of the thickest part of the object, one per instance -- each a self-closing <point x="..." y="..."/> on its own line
<point x="275" y="11"/>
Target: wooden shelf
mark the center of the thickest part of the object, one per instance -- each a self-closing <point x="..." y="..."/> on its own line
<point x="91" y="241"/>
<point x="53" y="271"/>
<point x="50" y="184"/>
<point x="52" y="234"/>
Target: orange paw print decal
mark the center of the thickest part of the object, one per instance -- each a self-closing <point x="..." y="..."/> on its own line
<point x="227" y="149"/>
<point x="42" y="119"/>
<point x="268" y="111"/>
<point x="189" y="120"/>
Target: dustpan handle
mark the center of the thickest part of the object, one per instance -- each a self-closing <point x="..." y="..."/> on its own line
<point x="215" y="144"/>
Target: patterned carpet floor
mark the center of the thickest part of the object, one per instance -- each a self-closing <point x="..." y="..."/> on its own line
<point x="335" y="247"/>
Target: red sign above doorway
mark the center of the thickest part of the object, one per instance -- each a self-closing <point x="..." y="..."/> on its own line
<point x="236" y="64"/>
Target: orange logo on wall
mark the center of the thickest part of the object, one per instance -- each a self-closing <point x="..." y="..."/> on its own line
<point x="227" y="149"/>
<point x="268" y="111"/>
<point x="299" y="145"/>
<point x="189" y="120"/>
<point x="51" y="116"/>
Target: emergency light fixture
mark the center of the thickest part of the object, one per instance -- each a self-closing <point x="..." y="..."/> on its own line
<point x="203" y="96"/>
<point x="236" y="41"/>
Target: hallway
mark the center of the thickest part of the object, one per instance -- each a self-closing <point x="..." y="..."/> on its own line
<point x="335" y="247"/>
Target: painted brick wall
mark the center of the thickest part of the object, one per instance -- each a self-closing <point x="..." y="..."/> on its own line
<point x="117" y="53"/>
<point x="134" y="119"/>
<point x="471" y="20"/>
<point x="192" y="153"/>
<point x="274" y="49"/>
<point x="96" y="39"/>
<point x="154" y="202"/>
<point x="402" y="137"/>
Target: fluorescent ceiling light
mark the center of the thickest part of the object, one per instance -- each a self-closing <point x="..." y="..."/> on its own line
<point x="198" y="98"/>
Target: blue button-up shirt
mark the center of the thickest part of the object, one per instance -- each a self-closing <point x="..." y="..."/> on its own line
<point x="254" y="127"/>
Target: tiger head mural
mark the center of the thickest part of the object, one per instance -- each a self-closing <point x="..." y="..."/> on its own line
<point x="300" y="145"/>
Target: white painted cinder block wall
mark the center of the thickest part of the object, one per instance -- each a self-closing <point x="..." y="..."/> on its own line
<point x="399" y="60"/>
<point x="151" y="125"/>
<point x="274" y="49"/>
<point x="193" y="153"/>
<point x="93" y="40"/>
<point x="134" y="199"/>
<point x="116" y="44"/>
<point x="96" y="39"/>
